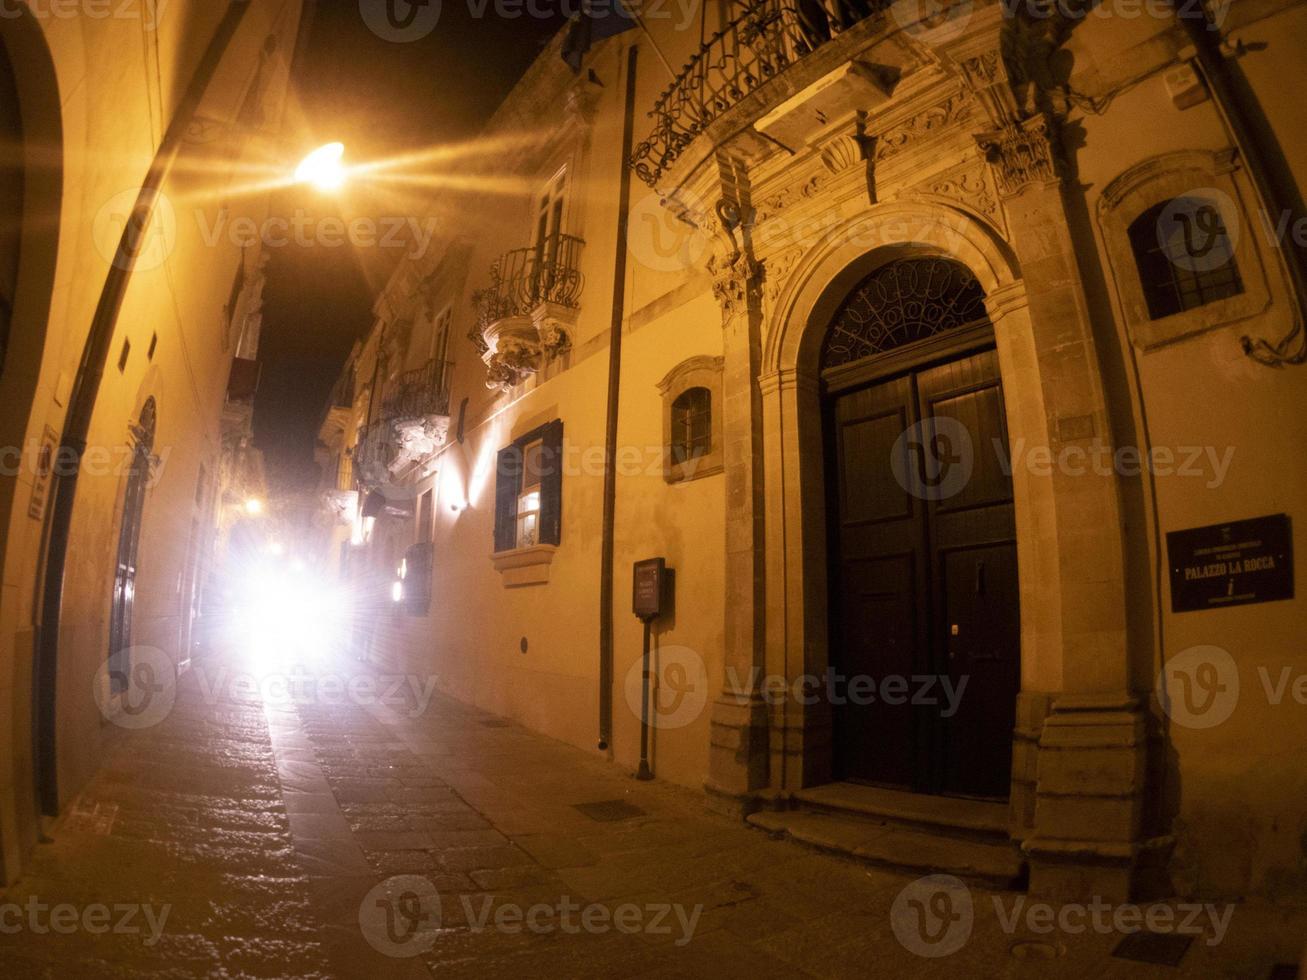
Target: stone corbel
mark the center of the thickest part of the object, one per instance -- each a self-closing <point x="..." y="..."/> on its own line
<point x="555" y="326"/>
<point x="581" y="101"/>
<point x="341" y="504"/>
<point x="418" y="439"/>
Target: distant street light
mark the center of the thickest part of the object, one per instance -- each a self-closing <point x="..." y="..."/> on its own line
<point x="323" y="168"/>
<point x="254" y="506"/>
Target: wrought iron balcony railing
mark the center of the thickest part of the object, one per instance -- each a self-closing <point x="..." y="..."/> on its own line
<point x="757" y="46"/>
<point x="411" y="424"/>
<point x="424" y="391"/>
<point x="520" y="280"/>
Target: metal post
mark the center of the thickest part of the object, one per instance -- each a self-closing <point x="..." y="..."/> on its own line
<point x="644" y="772"/>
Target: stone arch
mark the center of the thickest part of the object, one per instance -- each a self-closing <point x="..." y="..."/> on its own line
<point x="795" y="497"/>
<point x="38" y="108"/>
<point x="824" y="276"/>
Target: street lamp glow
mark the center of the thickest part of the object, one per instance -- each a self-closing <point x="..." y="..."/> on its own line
<point x="323" y="168"/>
<point x="254" y="506"/>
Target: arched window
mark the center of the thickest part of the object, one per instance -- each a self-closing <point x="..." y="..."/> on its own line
<point x="903" y="302"/>
<point x="691" y="425"/>
<point x="1184" y="255"/>
<point x="692" y="419"/>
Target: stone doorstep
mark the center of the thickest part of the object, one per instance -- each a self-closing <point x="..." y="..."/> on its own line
<point x="942" y="816"/>
<point x="911" y="851"/>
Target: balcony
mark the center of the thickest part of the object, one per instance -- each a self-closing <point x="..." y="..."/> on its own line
<point x="528" y="312"/>
<point x="412" y="426"/>
<point x="759" y="45"/>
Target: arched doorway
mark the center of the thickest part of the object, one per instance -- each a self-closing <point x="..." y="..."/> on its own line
<point x="129" y="538"/>
<point x="925" y="629"/>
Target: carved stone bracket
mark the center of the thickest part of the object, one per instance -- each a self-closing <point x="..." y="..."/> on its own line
<point x="554" y="325"/>
<point x="1023" y="154"/>
<point x="341" y="504"/>
<point x="517" y="346"/>
<point x="418" y="439"/>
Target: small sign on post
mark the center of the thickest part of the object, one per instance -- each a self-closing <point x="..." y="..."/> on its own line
<point x="648" y="588"/>
<point x="648" y="591"/>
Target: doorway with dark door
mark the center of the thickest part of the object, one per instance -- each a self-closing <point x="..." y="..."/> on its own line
<point x="925" y="624"/>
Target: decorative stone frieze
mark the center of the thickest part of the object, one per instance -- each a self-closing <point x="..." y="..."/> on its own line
<point x="926" y="124"/>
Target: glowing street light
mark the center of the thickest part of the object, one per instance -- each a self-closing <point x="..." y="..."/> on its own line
<point x="254" y="506"/>
<point x="323" y="168"/>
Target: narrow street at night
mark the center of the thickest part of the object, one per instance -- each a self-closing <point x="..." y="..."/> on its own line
<point x="271" y="824"/>
<point x="653" y="488"/>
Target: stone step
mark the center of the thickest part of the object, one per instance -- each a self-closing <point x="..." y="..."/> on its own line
<point x="941" y="815"/>
<point x="916" y="852"/>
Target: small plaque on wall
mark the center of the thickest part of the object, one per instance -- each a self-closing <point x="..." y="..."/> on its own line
<point x="45" y="458"/>
<point x="1231" y="564"/>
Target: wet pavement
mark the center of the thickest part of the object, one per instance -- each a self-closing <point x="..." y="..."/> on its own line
<point x="333" y="822"/>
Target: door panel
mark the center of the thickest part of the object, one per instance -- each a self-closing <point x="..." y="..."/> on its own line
<point x="880" y="571"/>
<point x="926" y="587"/>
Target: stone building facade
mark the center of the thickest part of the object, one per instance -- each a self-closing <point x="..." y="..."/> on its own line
<point x="130" y="334"/>
<point x="850" y="251"/>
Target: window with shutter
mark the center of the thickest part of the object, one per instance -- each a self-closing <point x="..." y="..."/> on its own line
<point x="508" y="477"/>
<point x="529" y="490"/>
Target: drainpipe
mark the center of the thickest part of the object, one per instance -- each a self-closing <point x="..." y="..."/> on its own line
<point x="1273" y="193"/>
<point x="81" y="405"/>
<point x="610" y="439"/>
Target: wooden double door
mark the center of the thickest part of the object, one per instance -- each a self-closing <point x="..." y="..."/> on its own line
<point x="924" y="604"/>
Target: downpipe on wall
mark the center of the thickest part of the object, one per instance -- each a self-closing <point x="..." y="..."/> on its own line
<point x="614" y="393"/>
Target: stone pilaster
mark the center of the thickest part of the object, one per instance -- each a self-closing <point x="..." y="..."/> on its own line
<point x="1080" y="751"/>
<point x="737" y="765"/>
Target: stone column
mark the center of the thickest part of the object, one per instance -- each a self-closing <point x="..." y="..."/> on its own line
<point x="1089" y="766"/>
<point x="737" y="765"/>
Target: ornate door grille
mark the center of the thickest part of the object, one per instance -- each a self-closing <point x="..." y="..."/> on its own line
<point x="901" y="303"/>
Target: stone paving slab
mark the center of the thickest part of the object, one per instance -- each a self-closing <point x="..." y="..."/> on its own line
<point x="299" y="839"/>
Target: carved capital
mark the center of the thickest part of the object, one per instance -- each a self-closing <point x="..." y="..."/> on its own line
<point x="1023" y="154"/>
<point x="737" y="281"/>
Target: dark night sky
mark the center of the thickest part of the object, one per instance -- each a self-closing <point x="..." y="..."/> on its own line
<point x="381" y="99"/>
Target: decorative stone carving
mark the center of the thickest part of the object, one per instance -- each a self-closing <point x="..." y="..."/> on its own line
<point x="511" y="358"/>
<point x="779" y="268"/>
<point x="735" y="279"/>
<point x="969" y="186"/>
<point x="418" y="439"/>
<point x="1022" y="154"/>
<point x="795" y="191"/>
<point x="554" y="327"/>
<point x="924" y="125"/>
<point x="841" y="153"/>
<point x="342" y="505"/>
<point x="581" y="101"/>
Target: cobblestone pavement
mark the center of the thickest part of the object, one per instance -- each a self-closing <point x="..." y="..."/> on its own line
<point x="266" y="830"/>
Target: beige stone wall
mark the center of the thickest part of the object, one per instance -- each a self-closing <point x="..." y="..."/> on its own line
<point x="99" y="93"/>
<point x="1110" y="774"/>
